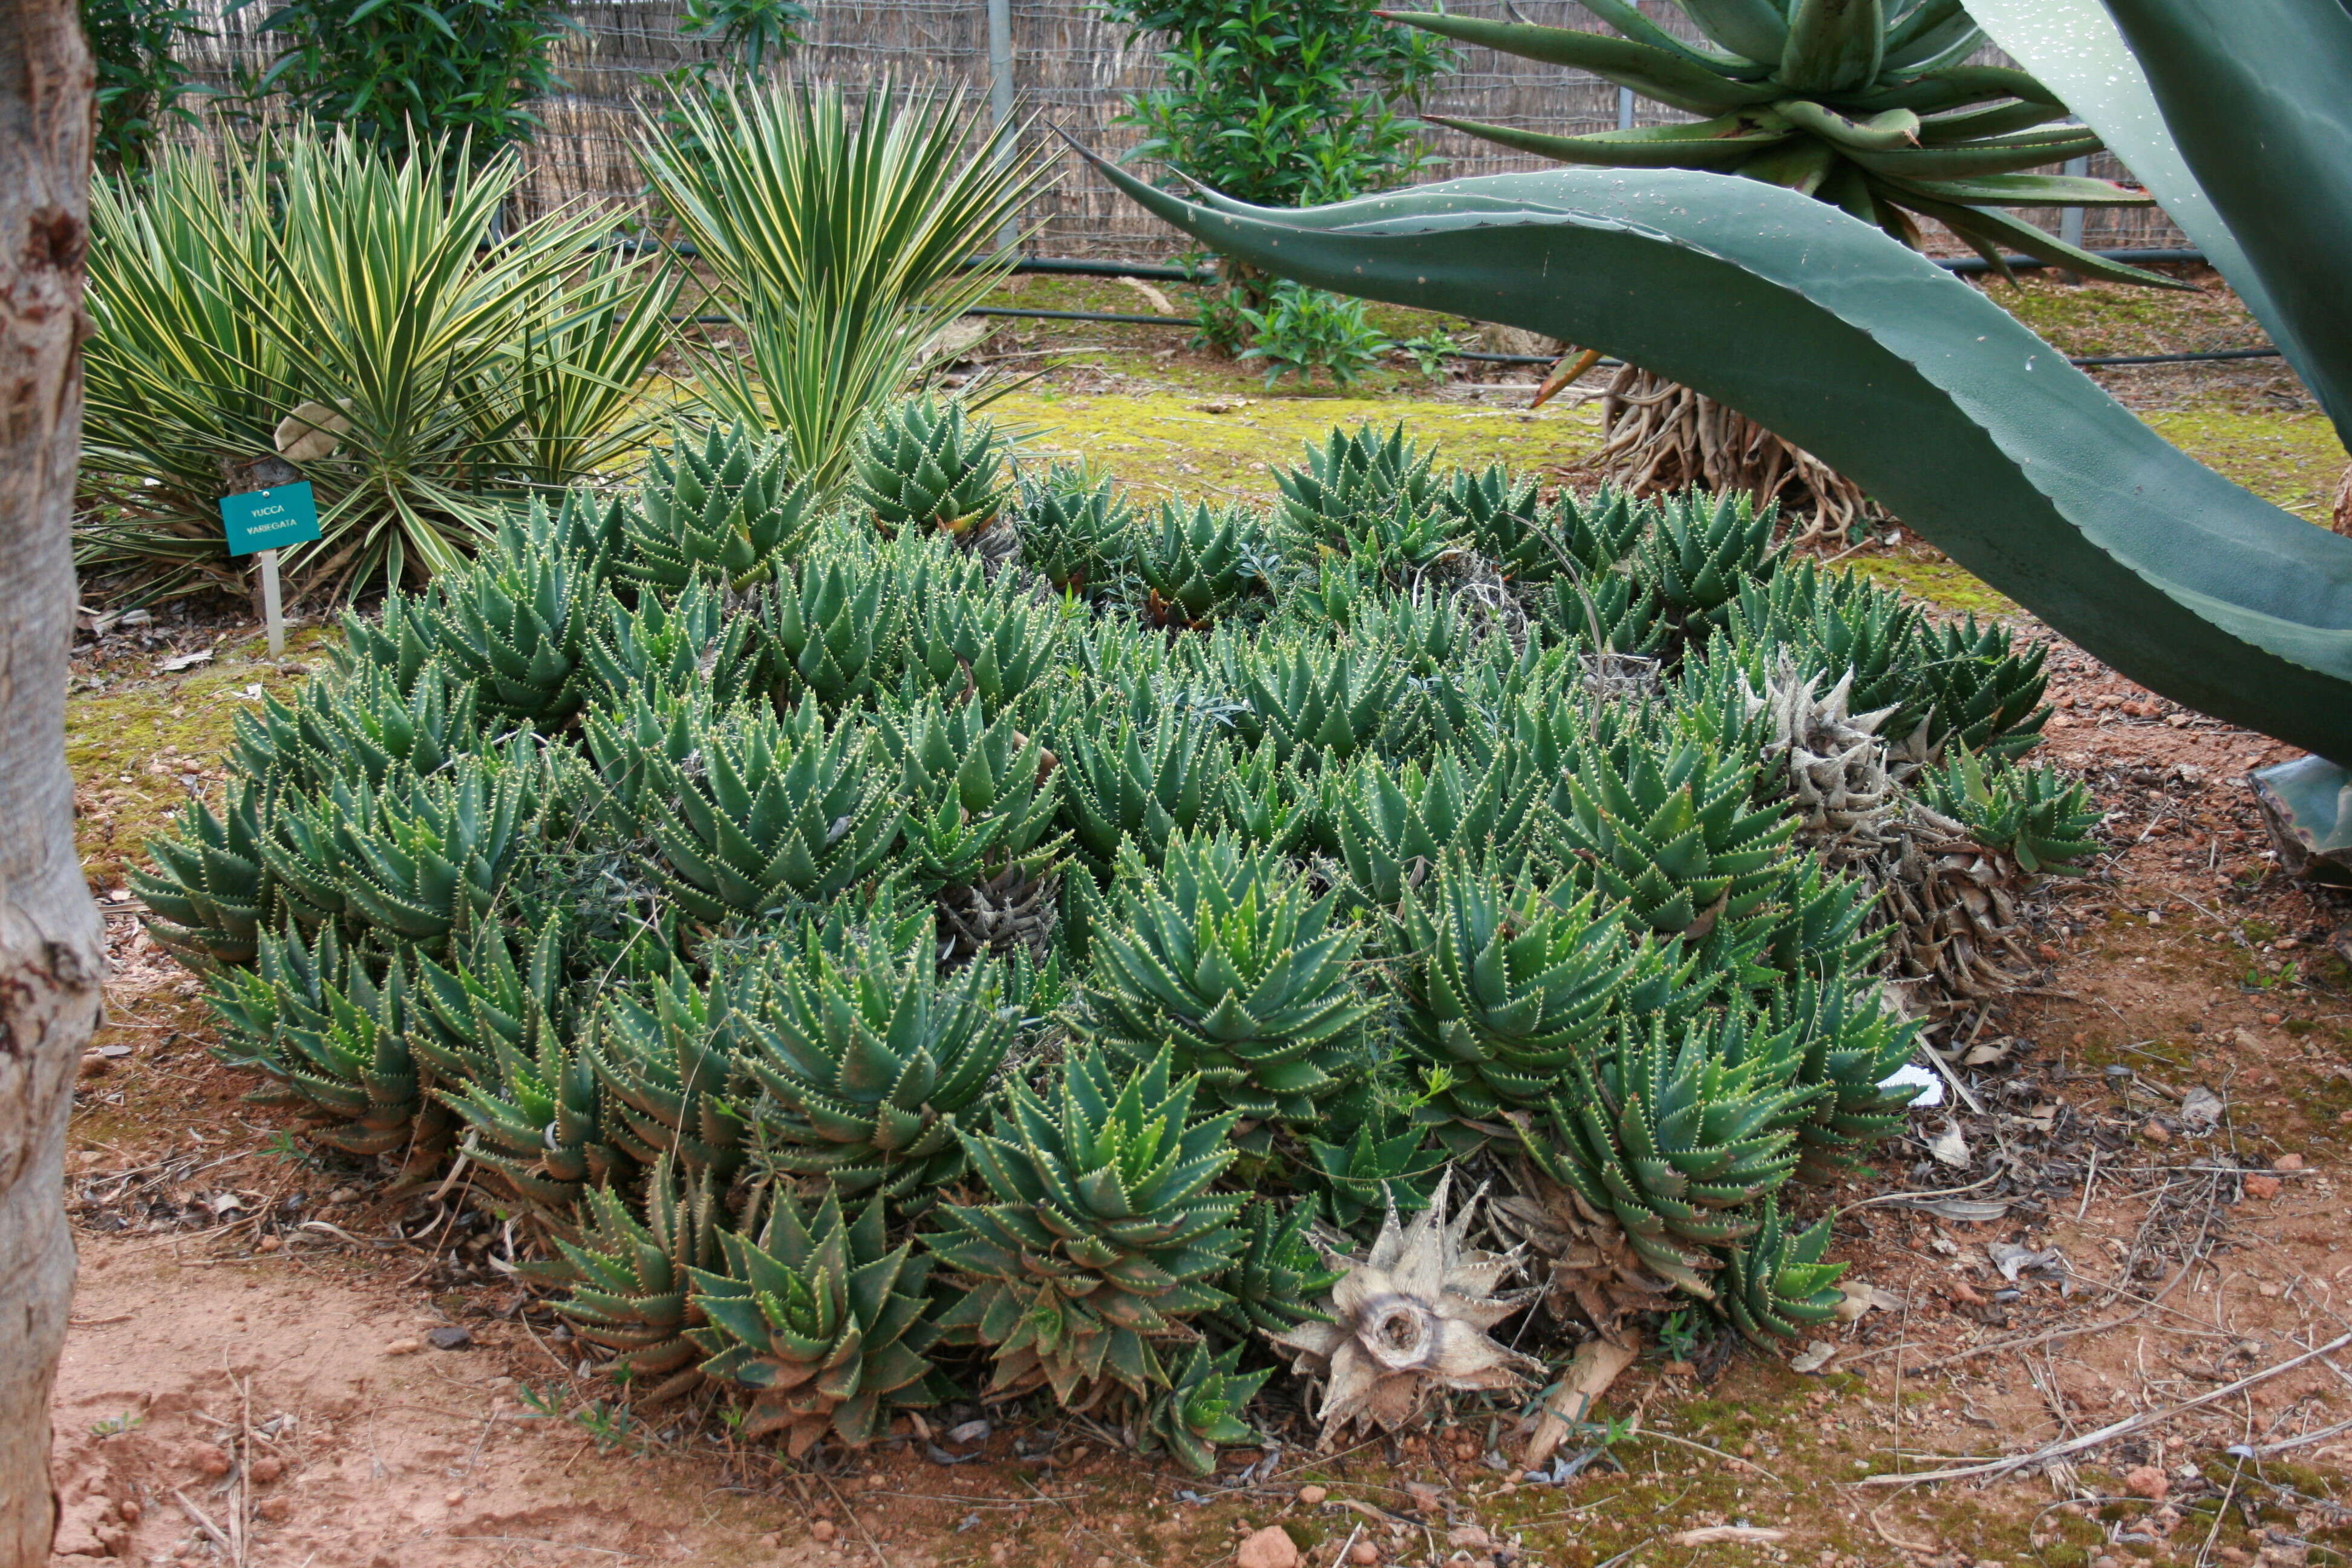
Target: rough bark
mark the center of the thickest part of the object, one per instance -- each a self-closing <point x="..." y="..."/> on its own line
<point x="50" y="954"/>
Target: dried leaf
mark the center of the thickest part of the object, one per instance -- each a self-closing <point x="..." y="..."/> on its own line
<point x="1950" y="1147"/>
<point x="1816" y="1355"/>
<point x="2201" y="1110"/>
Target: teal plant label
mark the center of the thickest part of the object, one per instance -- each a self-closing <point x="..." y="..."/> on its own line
<point x="270" y="519"/>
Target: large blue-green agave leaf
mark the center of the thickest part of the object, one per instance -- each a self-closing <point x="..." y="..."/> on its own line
<point x="1972" y="430"/>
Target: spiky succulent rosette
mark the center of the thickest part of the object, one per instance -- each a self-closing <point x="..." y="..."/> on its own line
<point x="863" y="1056"/>
<point x="930" y="463"/>
<point x="684" y="644"/>
<point x="1674" y="1137"/>
<point x="1388" y="1164"/>
<point x="1200" y="1409"/>
<point x="1396" y="825"/>
<point x="1827" y="759"/>
<point x="833" y="625"/>
<point x="1146" y="782"/>
<point x="1071" y="526"/>
<point x="1102" y="1237"/>
<point x="1412" y="1318"/>
<point x="1854" y="1040"/>
<point x="1774" y="1282"/>
<point x="517" y="621"/>
<point x="1198" y="562"/>
<point x="981" y="797"/>
<point x="631" y="1291"/>
<point x="2041" y="819"/>
<point x="1219" y="954"/>
<point x="1357" y="476"/>
<point x="1278" y="1274"/>
<point x="822" y="1317"/>
<point x="363" y="723"/>
<point x="670" y="1075"/>
<point x="718" y="509"/>
<point x="208" y="896"/>
<point x="1506" y="990"/>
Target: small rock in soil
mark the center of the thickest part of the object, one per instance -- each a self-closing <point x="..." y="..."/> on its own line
<point x="1311" y="1495"/>
<point x="1269" y="1548"/>
<point x="205" y="1459"/>
<point x="1363" y="1555"/>
<point x="2263" y="1186"/>
<point x="451" y="1337"/>
<point x="822" y="1530"/>
<point x="2288" y="1162"/>
<point x="2147" y="1481"/>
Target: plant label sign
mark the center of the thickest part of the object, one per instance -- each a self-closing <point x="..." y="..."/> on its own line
<point x="270" y="519"/>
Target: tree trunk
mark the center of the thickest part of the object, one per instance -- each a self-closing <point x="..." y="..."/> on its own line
<point x="50" y="955"/>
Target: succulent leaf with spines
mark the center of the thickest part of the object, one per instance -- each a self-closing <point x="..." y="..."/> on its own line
<point x="460" y="1014"/>
<point x="775" y="813"/>
<point x="1356" y="475"/>
<point x="329" y="1037"/>
<point x="1663" y="827"/>
<point x="1319" y="704"/>
<point x="1200" y="1408"/>
<point x="863" y="1057"/>
<point x="834" y="624"/>
<point x="1774" y="1282"/>
<point x="718" y="509"/>
<point x="674" y="645"/>
<point x="1388" y="1165"/>
<point x="1982" y="692"/>
<point x="1852" y="1042"/>
<point x="1506" y="990"/>
<point x="928" y="464"/>
<point x="990" y="643"/>
<point x="540" y="1120"/>
<point x="672" y="1083"/>
<point x="1702" y="549"/>
<point x="632" y="1288"/>
<point x="821" y="1317"/>
<point x="1071" y="526"/>
<point x="426" y="857"/>
<point x="1673" y="1139"/>
<point x="1278" y="1273"/>
<point x="1103" y="1235"/>
<point x="1501" y="514"/>
<point x="1128" y="780"/>
<point x="208" y="896"/>
<point x="981" y="799"/>
<point x="1218" y="954"/>
<point x="1198" y="563"/>
<point x="519" y="620"/>
<point x="1396" y="824"/>
<point x="362" y="723"/>
<point x="2042" y="819"/>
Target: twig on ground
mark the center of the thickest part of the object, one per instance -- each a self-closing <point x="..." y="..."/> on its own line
<point x="871" y="1544"/>
<point x="212" y="1531"/>
<point x="2107" y="1434"/>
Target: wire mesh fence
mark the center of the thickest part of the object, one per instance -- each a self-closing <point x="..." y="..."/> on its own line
<point x="1072" y="70"/>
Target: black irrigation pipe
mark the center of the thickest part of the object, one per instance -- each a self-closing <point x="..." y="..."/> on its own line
<point x="2129" y="258"/>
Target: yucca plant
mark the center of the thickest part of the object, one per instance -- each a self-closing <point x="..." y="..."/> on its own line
<point x="1103" y="1235"/>
<point x="832" y="624"/>
<point x="307" y="270"/>
<point x="1217" y="953"/>
<point x="1869" y="108"/>
<point x="518" y="620"/>
<point x="1124" y="781"/>
<point x="1505" y="991"/>
<point x="1979" y="690"/>
<point x="1663" y="827"/>
<point x="980" y="797"/>
<point x="633" y="1280"/>
<point x="1673" y="1139"/>
<point x="672" y="1083"/>
<point x="863" y="1056"/>
<point x="1774" y="1282"/>
<point x="2044" y="820"/>
<point x="1200" y="1408"/>
<point x="1276" y="1275"/>
<point x="772" y="813"/>
<point x="324" y="1023"/>
<point x="821" y="1319"/>
<point x="721" y="508"/>
<point x="208" y="896"/>
<point x="928" y="465"/>
<point x="1071" y="526"/>
<point x="842" y="243"/>
<point x="1198" y="563"/>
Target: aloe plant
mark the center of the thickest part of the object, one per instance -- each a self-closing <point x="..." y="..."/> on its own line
<point x="208" y="896"/>
<point x="774" y="812"/>
<point x="2190" y="586"/>
<point x="1143" y="782"/>
<point x="833" y="625"/>
<point x="2042" y="819"/>
<point x="1775" y="1283"/>
<point x="671" y="1077"/>
<point x="1275" y="1275"/>
<point x="632" y="1277"/>
<point x="820" y="1318"/>
<point x="1102" y="1237"/>
<point x="688" y="644"/>
<point x="1200" y="1408"/>
<point x="981" y="798"/>
<point x="929" y="464"/>
<point x="1218" y="954"/>
<point x="720" y="508"/>
<point x="1386" y="1167"/>
<point x="1199" y="563"/>
<point x="863" y="1056"/>
<point x="1071" y="525"/>
<point x="518" y="621"/>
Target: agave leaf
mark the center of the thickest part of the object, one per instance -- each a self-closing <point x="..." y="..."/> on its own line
<point x="1937" y="400"/>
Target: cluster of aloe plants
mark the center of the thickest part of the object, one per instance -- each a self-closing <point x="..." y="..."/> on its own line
<point x="978" y="932"/>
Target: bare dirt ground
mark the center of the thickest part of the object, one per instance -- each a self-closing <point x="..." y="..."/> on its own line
<point x="2136" y="1206"/>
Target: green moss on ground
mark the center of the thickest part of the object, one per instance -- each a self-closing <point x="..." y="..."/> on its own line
<point x="2289" y="459"/>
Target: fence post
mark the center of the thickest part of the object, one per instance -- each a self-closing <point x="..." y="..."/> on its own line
<point x="1000" y="95"/>
<point x="2070" y="220"/>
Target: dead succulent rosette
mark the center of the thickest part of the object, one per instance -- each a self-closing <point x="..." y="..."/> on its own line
<point x="1409" y="1319"/>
